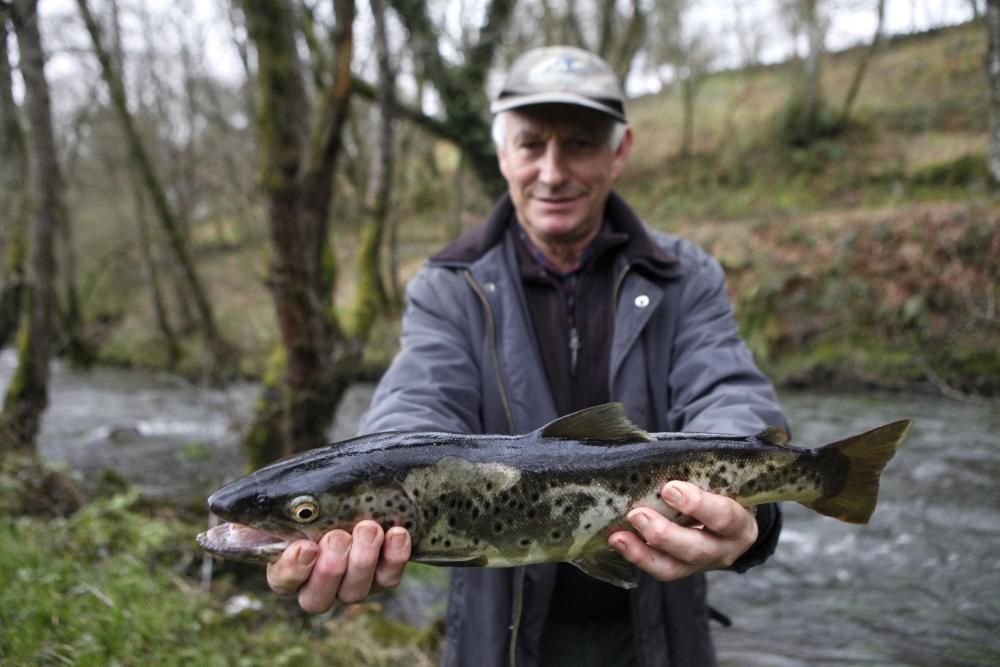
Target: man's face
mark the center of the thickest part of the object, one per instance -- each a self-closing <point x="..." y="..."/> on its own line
<point x="559" y="166"/>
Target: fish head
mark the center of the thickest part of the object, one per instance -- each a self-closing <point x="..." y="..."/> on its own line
<point x="299" y="498"/>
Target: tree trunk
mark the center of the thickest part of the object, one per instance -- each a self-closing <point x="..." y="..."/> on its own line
<point x="302" y="389"/>
<point x="221" y="355"/>
<point x="149" y="263"/>
<point x="859" y="73"/>
<point x="811" y="90"/>
<point x="993" y="72"/>
<point x="14" y="201"/>
<point x="689" y="89"/>
<point x="370" y="295"/>
<point x="27" y="395"/>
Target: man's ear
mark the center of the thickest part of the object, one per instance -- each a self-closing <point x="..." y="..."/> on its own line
<point x="621" y="155"/>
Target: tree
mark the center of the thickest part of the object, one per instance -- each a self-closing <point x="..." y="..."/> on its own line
<point x="27" y="395"/>
<point x="221" y="354"/>
<point x="13" y="198"/>
<point x="807" y="18"/>
<point x="993" y="72"/>
<point x="299" y="143"/>
<point x="689" y="54"/>
<point x="370" y="294"/>
<point x="859" y="73"/>
<point x="460" y="87"/>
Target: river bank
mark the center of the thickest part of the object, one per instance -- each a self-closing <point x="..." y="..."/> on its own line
<point x="917" y="586"/>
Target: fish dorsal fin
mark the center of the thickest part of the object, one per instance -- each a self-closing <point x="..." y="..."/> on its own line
<point x="774" y="435"/>
<point x="606" y="422"/>
<point x="609" y="566"/>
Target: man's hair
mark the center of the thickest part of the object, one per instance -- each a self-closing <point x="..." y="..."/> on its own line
<point x="499" y="131"/>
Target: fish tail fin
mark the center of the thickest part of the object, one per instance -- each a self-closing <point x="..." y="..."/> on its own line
<point x="861" y="459"/>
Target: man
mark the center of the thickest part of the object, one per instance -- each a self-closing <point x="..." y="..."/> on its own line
<point x="561" y="300"/>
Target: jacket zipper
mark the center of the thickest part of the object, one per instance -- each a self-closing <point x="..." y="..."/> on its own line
<point x="494" y="351"/>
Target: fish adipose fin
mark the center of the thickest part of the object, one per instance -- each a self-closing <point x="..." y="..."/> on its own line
<point x="609" y="566"/>
<point x="774" y="435"/>
<point x="862" y="459"/>
<point x="606" y="422"/>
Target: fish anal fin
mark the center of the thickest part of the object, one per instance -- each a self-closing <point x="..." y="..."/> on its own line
<point x="774" y="435"/>
<point x="607" y="422"/>
<point x="608" y="566"/>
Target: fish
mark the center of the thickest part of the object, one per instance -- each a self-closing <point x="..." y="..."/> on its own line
<point x="552" y="495"/>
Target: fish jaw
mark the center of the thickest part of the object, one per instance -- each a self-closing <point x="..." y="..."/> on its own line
<point x="234" y="541"/>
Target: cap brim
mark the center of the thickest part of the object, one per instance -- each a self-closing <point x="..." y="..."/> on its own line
<point x="518" y="101"/>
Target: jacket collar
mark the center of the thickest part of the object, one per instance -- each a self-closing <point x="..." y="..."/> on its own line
<point x="640" y="250"/>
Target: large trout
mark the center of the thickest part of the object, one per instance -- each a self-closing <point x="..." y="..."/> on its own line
<point x="552" y="495"/>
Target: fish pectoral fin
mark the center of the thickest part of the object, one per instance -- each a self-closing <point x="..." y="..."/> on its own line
<point x="451" y="561"/>
<point x="609" y="566"/>
<point x="606" y="422"/>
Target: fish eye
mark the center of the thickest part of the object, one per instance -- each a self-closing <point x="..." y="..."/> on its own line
<point x="304" y="509"/>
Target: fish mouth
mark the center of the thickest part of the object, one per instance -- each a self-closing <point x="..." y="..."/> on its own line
<point x="234" y="541"/>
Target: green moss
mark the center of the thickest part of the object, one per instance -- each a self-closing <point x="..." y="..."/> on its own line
<point x="962" y="171"/>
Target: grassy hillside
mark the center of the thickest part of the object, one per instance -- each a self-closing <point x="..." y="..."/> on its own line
<point x="832" y="249"/>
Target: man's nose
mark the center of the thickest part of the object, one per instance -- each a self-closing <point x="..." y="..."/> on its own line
<point x="553" y="167"/>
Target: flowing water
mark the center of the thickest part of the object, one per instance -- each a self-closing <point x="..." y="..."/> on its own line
<point x="920" y="585"/>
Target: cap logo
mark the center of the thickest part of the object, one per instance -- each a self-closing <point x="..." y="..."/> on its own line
<point x="567" y="68"/>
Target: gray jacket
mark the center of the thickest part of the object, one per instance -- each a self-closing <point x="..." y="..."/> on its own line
<point x="469" y="363"/>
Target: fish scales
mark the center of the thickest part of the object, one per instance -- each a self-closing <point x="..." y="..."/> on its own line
<point x="552" y="495"/>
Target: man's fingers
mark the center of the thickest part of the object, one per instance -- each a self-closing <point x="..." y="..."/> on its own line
<point x="687" y="545"/>
<point x="395" y="555"/>
<point x="661" y="565"/>
<point x="319" y="593"/>
<point x="290" y="571"/>
<point x="720" y="515"/>
<point x="363" y="557"/>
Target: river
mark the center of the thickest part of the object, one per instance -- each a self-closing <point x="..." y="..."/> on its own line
<point x="919" y="585"/>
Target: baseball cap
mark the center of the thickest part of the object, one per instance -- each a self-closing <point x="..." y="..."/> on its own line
<point x="561" y="75"/>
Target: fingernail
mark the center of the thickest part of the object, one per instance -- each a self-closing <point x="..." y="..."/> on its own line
<point x="673" y="496"/>
<point x="396" y="539"/>
<point x="306" y="557"/>
<point x="639" y="518"/>
<point x="367" y="535"/>
<point x="339" y="542"/>
<point x="618" y="543"/>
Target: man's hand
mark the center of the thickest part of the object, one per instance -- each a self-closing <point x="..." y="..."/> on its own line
<point x="669" y="551"/>
<point x="342" y="566"/>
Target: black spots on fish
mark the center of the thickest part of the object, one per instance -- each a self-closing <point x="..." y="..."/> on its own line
<point x="476" y="541"/>
<point x="435" y="540"/>
<point x="498" y="526"/>
<point x="475" y="512"/>
<point x="386" y="525"/>
<point x="369" y="498"/>
<point x="587" y="525"/>
<point x="532" y="513"/>
<point x="634" y="478"/>
<point x="558" y="503"/>
<point x="524" y="542"/>
<point x="489" y="486"/>
<point x="377" y="515"/>
<point x="609" y="501"/>
<point x="568" y="509"/>
<point x="717" y="482"/>
<point x="556" y="534"/>
<point x="416" y="493"/>
<point x="447" y="544"/>
<point x="536" y="496"/>
<point x="408" y="525"/>
<point x="452" y="521"/>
